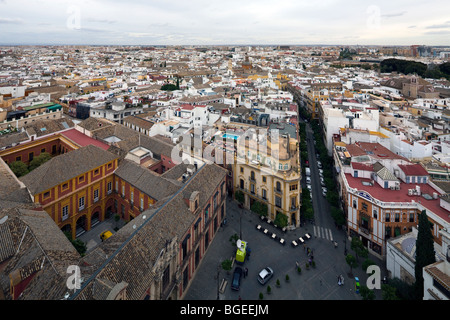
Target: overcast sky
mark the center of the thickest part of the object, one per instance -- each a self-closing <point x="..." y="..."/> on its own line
<point x="204" y="22"/>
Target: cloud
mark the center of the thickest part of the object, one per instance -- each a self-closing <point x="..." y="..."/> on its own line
<point x="107" y="21"/>
<point x="11" y="20"/>
<point x="393" y="15"/>
<point x="439" y="26"/>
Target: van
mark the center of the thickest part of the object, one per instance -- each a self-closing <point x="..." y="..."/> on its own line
<point x="105" y="235"/>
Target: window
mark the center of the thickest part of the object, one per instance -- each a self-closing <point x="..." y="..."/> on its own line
<point x="81" y="179"/>
<point x="411" y="217"/>
<point x="142" y="203"/>
<point x="264" y="194"/>
<point x="241" y="184"/>
<point x="355" y="173"/>
<point x="387" y="217"/>
<point x="42" y="150"/>
<point x="293" y="202"/>
<point x="109" y="187"/>
<point x="65" y="212"/>
<point x="278" y="201"/>
<point x="293" y="187"/>
<point x="123" y="191"/>
<point x="386" y="184"/>
<point x="206" y="214"/>
<point x="280" y="166"/>
<point x="375" y="214"/>
<point x="286" y="166"/>
<point x="278" y="186"/>
<point x="95" y="195"/>
<point x="252" y="176"/>
<point x="109" y="165"/>
<point x="65" y="186"/>
<point x="252" y="188"/>
<point x="19" y="158"/>
<point x="407" y="179"/>
<point x="96" y="172"/>
<point x="354" y="204"/>
<point x="264" y="179"/>
<point x="46" y="194"/>
<point x="242" y="170"/>
<point x="81" y="203"/>
<point x="132" y="197"/>
<point x="30" y="156"/>
<point x="397" y="217"/>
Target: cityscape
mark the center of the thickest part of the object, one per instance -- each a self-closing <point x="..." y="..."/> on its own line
<point x="274" y="161"/>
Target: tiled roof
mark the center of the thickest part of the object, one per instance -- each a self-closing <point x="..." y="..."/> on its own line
<point x="55" y="171"/>
<point x="137" y="246"/>
<point x="145" y="180"/>
<point x="82" y="139"/>
<point x="413" y="170"/>
<point x="33" y="245"/>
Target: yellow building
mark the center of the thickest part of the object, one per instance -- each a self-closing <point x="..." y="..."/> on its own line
<point x="75" y="188"/>
<point x="271" y="176"/>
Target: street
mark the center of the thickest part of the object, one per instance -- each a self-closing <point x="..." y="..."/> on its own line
<point x="319" y="283"/>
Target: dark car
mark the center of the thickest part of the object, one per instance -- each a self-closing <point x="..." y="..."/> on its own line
<point x="236" y="284"/>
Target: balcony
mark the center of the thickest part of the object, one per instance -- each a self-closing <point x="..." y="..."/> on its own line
<point x="278" y="191"/>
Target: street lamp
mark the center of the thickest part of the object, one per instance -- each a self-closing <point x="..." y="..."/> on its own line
<point x="218" y="280"/>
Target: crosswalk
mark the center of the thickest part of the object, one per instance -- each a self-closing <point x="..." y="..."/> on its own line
<point x="321" y="232"/>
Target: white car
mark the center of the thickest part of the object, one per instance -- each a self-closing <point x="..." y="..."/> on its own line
<point x="265" y="275"/>
<point x="309" y="187"/>
<point x="308" y="180"/>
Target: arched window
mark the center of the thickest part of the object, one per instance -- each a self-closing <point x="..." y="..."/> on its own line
<point x="278" y="186"/>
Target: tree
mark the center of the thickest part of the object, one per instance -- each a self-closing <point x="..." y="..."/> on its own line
<point x="259" y="208"/>
<point x="39" y="160"/>
<point x="351" y="261"/>
<point x="281" y="220"/>
<point x="239" y="196"/>
<point x="366" y="293"/>
<point x="425" y="254"/>
<point x="226" y="265"/>
<point x="359" y="248"/>
<point x="388" y="292"/>
<point x="19" y="168"/>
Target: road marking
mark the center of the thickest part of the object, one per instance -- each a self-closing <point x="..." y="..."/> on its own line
<point x="331" y="236"/>
<point x="315" y="233"/>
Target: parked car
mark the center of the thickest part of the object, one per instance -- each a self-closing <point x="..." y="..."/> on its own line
<point x="236" y="283"/>
<point x="319" y="164"/>
<point x="322" y="182"/>
<point x="265" y="275"/>
<point x="308" y="180"/>
<point x="309" y="187"/>
<point x="324" y="191"/>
